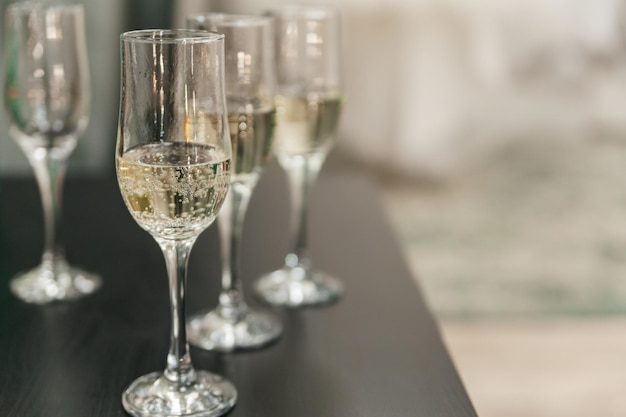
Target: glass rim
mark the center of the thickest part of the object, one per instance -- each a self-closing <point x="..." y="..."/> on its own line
<point x="231" y="19"/>
<point x="171" y="36"/>
<point x="305" y="10"/>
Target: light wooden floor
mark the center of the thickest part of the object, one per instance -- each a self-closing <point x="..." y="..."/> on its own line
<point x="567" y="367"/>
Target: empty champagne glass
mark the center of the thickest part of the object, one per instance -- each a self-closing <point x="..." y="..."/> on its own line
<point x="308" y="104"/>
<point x="173" y="160"/>
<point x="250" y="82"/>
<point x="47" y="100"/>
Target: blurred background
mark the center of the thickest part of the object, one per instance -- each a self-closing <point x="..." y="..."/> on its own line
<point x="496" y="130"/>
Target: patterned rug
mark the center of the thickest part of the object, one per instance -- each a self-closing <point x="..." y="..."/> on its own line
<point x="537" y="228"/>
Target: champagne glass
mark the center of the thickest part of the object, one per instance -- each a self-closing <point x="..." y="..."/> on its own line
<point x="47" y="100"/>
<point x="250" y="82"/>
<point x="173" y="160"/>
<point x="308" y="104"/>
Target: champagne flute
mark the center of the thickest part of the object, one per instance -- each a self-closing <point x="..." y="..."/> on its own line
<point x="173" y="160"/>
<point x="308" y="104"/>
<point x="250" y="83"/>
<point x="47" y="100"/>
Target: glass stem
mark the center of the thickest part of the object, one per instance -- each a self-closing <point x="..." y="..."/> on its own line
<point x="302" y="172"/>
<point x="50" y="165"/>
<point x="230" y="222"/>
<point x="179" y="368"/>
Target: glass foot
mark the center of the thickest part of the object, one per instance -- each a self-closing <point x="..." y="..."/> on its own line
<point x="298" y="287"/>
<point x="225" y="331"/>
<point x="154" y="395"/>
<point x="54" y="282"/>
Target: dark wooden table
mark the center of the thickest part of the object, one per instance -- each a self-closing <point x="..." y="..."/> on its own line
<point x="376" y="353"/>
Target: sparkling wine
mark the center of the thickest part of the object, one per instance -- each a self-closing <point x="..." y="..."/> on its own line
<point x="251" y="135"/>
<point x="175" y="189"/>
<point x="305" y="125"/>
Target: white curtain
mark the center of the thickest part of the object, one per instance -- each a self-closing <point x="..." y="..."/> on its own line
<point x="433" y="86"/>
